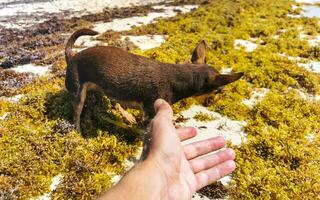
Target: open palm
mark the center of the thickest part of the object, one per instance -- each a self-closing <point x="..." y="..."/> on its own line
<point x="186" y="168"/>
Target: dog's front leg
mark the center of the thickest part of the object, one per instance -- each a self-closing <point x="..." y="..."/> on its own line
<point x="148" y="114"/>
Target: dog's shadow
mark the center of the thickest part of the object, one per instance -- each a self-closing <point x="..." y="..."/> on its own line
<point x="97" y="115"/>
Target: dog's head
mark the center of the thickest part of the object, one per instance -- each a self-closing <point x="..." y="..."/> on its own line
<point x="212" y="79"/>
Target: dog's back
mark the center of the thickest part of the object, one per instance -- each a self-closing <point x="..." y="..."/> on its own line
<point x="122" y="75"/>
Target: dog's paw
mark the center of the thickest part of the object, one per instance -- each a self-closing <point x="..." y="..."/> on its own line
<point x="127" y="116"/>
<point x="130" y="118"/>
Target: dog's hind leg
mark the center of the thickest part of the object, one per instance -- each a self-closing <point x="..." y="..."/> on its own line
<point x="78" y="105"/>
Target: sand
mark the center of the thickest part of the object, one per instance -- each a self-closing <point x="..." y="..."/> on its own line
<point x="56" y="180"/>
<point x="308" y="1"/>
<point x="21" y="12"/>
<point x="248" y="45"/>
<point x="145" y="42"/>
<point x="126" y="24"/>
<point x="313" y="66"/>
<point x="257" y="96"/>
<point x="32" y="69"/>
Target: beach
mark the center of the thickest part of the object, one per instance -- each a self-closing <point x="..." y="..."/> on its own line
<point x="270" y="116"/>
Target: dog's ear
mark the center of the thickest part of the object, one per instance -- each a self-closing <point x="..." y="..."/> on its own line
<point x="224" y="79"/>
<point x="199" y="53"/>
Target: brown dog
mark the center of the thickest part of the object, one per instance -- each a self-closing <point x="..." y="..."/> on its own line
<point x="131" y="78"/>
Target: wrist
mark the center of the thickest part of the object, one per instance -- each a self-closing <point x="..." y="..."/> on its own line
<point x="144" y="181"/>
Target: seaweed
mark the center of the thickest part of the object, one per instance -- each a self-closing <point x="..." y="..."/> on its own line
<point x="204" y="117"/>
<point x="278" y="160"/>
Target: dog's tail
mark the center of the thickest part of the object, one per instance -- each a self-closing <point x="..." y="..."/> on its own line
<point x="72" y="77"/>
<point x="73" y="38"/>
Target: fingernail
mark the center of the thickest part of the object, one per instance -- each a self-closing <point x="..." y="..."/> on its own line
<point x="231" y="153"/>
<point x="159" y="102"/>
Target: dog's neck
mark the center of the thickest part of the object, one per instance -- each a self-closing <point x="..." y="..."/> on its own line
<point x="186" y="80"/>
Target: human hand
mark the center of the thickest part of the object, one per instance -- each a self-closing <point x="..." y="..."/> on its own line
<point x="185" y="168"/>
<point x="171" y="170"/>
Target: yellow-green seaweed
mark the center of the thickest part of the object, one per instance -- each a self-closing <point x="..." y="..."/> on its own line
<point x="280" y="159"/>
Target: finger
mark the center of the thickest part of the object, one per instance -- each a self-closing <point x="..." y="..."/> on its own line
<point x="163" y="109"/>
<point x="161" y="124"/>
<point x="211" y="175"/>
<point x="196" y="149"/>
<point x="202" y="163"/>
<point x="185" y="133"/>
<point x="163" y="132"/>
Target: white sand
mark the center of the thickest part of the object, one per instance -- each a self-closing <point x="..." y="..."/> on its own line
<point x="126" y="23"/>
<point x="56" y="180"/>
<point x="198" y="197"/>
<point x="221" y="126"/>
<point x="291" y="57"/>
<point x="4" y="116"/>
<point x="57" y="6"/>
<point x="226" y="180"/>
<point x="315" y="41"/>
<point x="308" y="1"/>
<point x="115" y="179"/>
<point x="14" y="99"/>
<point x="310" y="137"/>
<point x="257" y="96"/>
<point x="85" y="42"/>
<point x="32" y="69"/>
<point x="311" y="11"/>
<point x="312" y="66"/>
<point x="294" y="7"/>
<point x="88" y="41"/>
<point x="20" y="9"/>
<point x="294" y="16"/>
<point x="248" y="45"/>
<point x="307" y="96"/>
<point x="145" y="42"/>
<point x="312" y="40"/>
<point x="22" y="23"/>
<point x="300" y="28"/>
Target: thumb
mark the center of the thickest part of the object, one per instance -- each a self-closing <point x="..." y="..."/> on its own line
<point x="163" y="132"/>
<point x="163" y="109"/>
